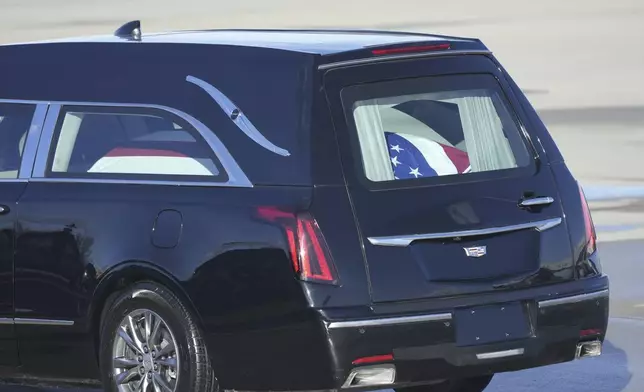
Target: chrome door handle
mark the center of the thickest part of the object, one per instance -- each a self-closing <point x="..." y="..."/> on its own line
<point x="536" y="201"/>
<point x="3" y="210"/>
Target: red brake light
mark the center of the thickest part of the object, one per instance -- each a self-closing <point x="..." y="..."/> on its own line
<point x="410" y="49"/>
<point x="591" y="235"/>
<point x="292" y="247"/>
<point x="313" y="254"/>
<point x="373" y="359"/>
<point x="308" y="250"/>
<point x="589" y="332"/>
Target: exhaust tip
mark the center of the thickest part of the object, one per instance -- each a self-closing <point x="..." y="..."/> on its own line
<point x="588" y="349"/>
<point x="370" y="376"/>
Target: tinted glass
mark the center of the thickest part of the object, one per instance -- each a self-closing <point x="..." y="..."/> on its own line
<point x="435" y="127"/>
<point x="15" y="120"/>
<point x="130" y="144"/>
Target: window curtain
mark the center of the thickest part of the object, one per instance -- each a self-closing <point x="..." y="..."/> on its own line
<point x="66" y="141"/>
<point x="374" y="149"/>
<point x="487" y="146"/>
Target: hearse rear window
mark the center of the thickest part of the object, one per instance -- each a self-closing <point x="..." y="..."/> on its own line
<point x="415" y="129"/>
<point x="130" y="143"/>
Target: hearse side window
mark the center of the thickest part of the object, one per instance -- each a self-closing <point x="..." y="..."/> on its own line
<point x="131" y="144"/>
<point x="15" y="120"/>
<point x="433" y="127"/>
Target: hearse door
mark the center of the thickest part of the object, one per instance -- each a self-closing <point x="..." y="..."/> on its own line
<point x="20" y="125"/>
<point x="451" y="194"/>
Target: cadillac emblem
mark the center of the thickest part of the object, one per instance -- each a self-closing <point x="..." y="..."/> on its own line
<point x="476" y="251"/>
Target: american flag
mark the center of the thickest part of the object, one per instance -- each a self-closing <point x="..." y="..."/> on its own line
<point x="415" y="157"/>
<point x="152" y="161"/>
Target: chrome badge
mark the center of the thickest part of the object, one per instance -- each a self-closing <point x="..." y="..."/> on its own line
<point x="476" y="251"/>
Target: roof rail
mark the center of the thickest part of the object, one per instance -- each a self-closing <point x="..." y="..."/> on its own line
<point x="130" y="30"/>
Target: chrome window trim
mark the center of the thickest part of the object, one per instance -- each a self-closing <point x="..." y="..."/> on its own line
<point x="574" y="299"/>
<point x="405" y="240"/>
<point x="13" y="180"/>
<point x="23" y="101"/>
<point x="236" y="176"/>
<point x="380" y="59"/>
<point x="30" y="149"/>
<point x="390" y="321"/>
<point x="241" y="120"/>
<point x="6" y="321"/>
<point x="46" y="136"/>
<point x="66" y="180"/>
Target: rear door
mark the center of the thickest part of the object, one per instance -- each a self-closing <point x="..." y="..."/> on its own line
<point x="20" y="124"/>
<point x="451" y="193"/>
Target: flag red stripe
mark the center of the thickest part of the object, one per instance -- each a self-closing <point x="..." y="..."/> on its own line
<point x="142" y="152"/>
<point x="459" y="158"/>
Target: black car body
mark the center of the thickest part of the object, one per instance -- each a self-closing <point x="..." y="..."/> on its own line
<point x="231" y="169"/>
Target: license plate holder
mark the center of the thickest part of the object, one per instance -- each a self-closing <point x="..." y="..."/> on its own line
<point x="491" y="324"/>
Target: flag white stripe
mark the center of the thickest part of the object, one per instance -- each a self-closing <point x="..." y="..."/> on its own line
<point x="434" y="154"/>
<point x="162" y="165"/>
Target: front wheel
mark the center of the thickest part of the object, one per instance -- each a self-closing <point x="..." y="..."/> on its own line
<point x="149" y="341"/>
<point x="474" y="384"/>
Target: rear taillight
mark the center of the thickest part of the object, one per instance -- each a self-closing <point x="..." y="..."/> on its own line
<point x="308" y="249"/>
<point x="591" y="235"/>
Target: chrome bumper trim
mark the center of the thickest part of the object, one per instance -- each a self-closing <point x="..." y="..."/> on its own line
<point x="390" y="321"/>
<point x="573" y="299"/>
<point x="501" y="354"/>
<point x="34" y="321"/>
<point x="29" y="321"/>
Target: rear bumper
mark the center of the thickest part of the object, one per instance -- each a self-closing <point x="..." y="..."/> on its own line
<point x="323" y="353"/>
<point x="424" y="348"/>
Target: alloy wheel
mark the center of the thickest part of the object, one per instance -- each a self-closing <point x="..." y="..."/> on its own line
<point x="145" y="354"/>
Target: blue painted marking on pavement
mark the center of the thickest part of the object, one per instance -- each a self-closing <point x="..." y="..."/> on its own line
<point x="610" y="192"/>
<point x="614" y="228"/>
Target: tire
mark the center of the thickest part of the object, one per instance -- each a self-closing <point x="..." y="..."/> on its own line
<point x="474" y="384"/>
<point x="139" y="368"/>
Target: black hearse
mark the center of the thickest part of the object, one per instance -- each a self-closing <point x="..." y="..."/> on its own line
<point x="284" y="210"/>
